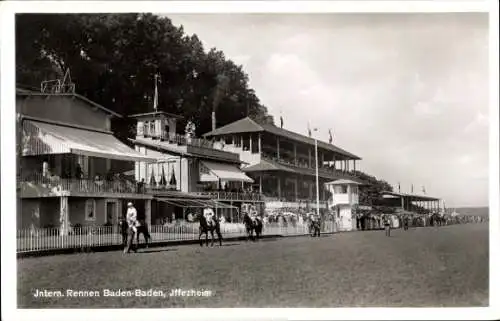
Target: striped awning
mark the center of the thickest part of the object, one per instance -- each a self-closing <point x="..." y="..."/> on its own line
<point x="41" y="138"/>
<point x="213" y="172"/>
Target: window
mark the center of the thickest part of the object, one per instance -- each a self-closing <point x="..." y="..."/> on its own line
<point x="152" y="128"/>
<point x="228" y="140"/>
<point x="237" y="141"/>
<point x="90" y="214"/>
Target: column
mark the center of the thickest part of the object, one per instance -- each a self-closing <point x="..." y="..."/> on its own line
<point x="296" y="188"/>
<point x="64" y="216"/>
<point x="402" y="202"/>
<point x="147" y="212"/>
<point x="250" y="142"/>
<point x="322" y="160"/>
<point x="260" y="183"/>
<point x="260" y="143"/>
<point x="278" y="179"/>
<point x="354" y="165"/>
<point x="295" y="153"/>
<point x="309" y="153"/>
<point x="278" y="147"/>
<point x="241" y="142"/>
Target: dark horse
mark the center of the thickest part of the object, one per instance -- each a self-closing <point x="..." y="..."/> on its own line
<point x="406" y="223"/>
<point x="315" y="228"/>
<point x="437" y="220"/>
<point x="253" y="226"/>
<point x="142" y="229"/>
<point x="206" y="227"/>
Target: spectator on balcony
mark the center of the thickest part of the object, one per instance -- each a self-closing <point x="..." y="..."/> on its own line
<point x="140" y="186"/>
<point x="110" y="176"/>
<point x="78" y="171"/>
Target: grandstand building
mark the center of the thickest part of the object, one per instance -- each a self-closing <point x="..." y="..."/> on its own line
<point x="282" y="162"/>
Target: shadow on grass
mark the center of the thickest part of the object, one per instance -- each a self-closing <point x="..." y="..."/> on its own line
<point x="156" y="251"/>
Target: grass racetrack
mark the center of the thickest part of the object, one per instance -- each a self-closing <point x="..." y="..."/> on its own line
<point x="423" y="267"/>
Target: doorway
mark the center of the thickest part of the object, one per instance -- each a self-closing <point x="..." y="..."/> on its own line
<point x="111" y="212"/>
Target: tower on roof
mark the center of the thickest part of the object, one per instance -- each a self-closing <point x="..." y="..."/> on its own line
<point x="156" y="125"/>
<point x="58" y="86"/>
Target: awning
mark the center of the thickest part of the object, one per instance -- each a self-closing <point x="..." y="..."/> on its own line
<point x="194" y="203"/>
<point x="40" y="138"/>
<point x="213" y="172"/>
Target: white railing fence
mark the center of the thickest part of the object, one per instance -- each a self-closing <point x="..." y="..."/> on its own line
<point x="42" y="239"/>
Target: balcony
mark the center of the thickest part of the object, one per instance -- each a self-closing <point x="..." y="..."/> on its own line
<point x="321" y="170"/>
<point x="193" y="145"/>
<point x="232" y="196"/>
<point x="37" y="185"/>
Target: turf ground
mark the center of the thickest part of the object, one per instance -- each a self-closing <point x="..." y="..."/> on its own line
<point x="424" y="267"/>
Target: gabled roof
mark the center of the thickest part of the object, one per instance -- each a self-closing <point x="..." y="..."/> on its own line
<point x="155" y="113"/>
<point x="27" y="93"/>
<point x="244" y="125"/>
<point x="247" y="125"/>
<point x="166" y="148"/>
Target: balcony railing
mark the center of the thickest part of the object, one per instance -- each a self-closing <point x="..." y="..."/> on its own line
<point x="74" y="185"/>
<point x="321" y="169"/>
<point x="178" y="139"/>
<point x="232" y="196"/>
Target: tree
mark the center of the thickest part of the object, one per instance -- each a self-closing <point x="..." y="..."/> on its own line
<point x="373" y="189"/>
<point x="113" y="59"/>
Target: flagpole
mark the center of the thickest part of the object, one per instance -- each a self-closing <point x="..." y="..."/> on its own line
<point x="155" y="102"/>
<point x="317" y="176"/>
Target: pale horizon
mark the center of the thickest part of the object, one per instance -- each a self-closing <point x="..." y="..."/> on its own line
<point x="408" y="93"/>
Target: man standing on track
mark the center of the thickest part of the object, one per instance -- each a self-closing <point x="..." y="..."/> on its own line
<point x="132" y="226"/>
<point x="387" y="225"/>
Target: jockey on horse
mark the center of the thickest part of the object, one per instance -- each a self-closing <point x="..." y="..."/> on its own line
<point x="209" y="215"/>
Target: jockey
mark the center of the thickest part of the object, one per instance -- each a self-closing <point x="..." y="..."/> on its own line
<point x="208" y="213"/>
<point x="132" y="217"/>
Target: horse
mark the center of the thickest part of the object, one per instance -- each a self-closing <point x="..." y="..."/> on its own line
<point x="141" y="229"/>
<point x="406" y="222"/>
<point x="206" y="227"/>
<point x="252" y="225"/>
<point x="315" y="228"/>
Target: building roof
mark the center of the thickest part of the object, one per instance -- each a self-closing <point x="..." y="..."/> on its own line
<point x="44" y="137"/>
<point x="28" y="92"/>
<point x="165" y="147"/>
<point x="155" y="113"/>
<point x="412" y="196"/>
<point x="247" y="125"/>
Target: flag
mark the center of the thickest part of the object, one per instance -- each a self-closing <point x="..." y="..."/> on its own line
<point x="155" y="102"/>
<point x="281" y="121"/>
<point x="330" y="140"/>
<point x="309" y="130"/>
<point x="399" y="188"/>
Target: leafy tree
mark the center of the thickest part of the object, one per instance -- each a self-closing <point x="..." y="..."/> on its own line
<point x="113" y="59"/>
<point x="373" y="189"/>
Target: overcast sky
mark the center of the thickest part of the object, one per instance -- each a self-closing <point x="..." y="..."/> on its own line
<point x="406" y="92"/>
